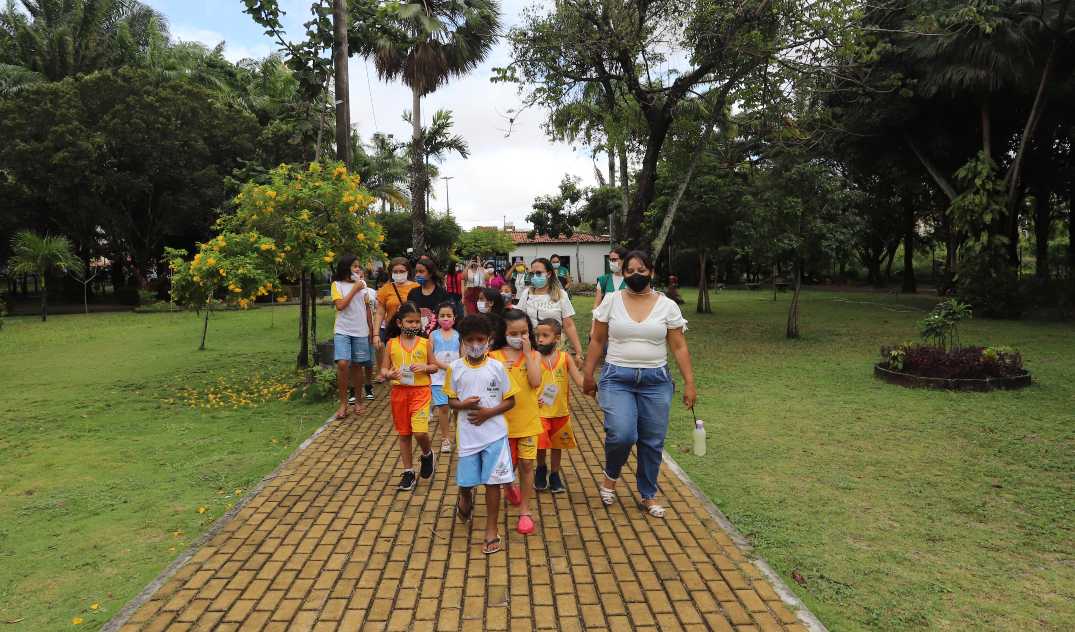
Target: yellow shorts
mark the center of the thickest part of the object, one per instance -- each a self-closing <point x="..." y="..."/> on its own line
<point x="523" y="448"/>
<point x="410" y="409"/>
<point x="558" y="434"/>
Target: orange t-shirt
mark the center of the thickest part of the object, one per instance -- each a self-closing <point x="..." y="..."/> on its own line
<point x="386" y="296"/>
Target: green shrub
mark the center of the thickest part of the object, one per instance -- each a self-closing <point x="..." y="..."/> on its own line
<point x="989" y="284"/>
<point x="129" y="295"/>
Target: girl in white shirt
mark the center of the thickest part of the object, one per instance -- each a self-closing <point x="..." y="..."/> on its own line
<point x="639" y="325"/>
<point x="546" y="298"/>
<point x="351" y="335"/>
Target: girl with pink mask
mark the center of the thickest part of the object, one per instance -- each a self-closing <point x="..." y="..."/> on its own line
<point x="445" y="341"/>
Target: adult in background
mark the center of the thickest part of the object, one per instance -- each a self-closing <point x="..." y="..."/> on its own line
<point x="639" y="325"/>
<point x="473" y="282"/>
<point x="390" y="296"/>
<point x="518" y="275"/>
<point x="562" y="272"/>
<point x="545" y="298"/>
<point x="429" y="294"/>
<point x="497" y="280"/>
<point x="351" y="332"/>
<point x="613" y="281"/>
<point x="453" y="282"/>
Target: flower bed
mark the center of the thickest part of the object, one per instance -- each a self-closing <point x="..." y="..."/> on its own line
<point x="959" y="368"/>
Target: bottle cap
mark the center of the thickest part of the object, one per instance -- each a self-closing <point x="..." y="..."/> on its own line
<point x="698" y="423"/>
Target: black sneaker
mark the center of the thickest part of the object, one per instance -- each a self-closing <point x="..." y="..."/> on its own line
<point x="351" y="395"/>
<point x="429" y="463"/>
<point x="541" y="478"/>
<point x="407" y="482"/>
<point x="556" y="485"/>
<point x="369" y="391"/>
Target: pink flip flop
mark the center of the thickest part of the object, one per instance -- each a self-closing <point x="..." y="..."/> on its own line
<point x="526" y="525"/>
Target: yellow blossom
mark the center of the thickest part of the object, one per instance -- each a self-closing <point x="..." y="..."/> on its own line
<point x="271" y="194"/>
<point x="202" y="510"/>
<point x="315" y="167"/>
<point x="361" y="237"/>
<point x="76" y="621"/>
<point x="211" y="261"/>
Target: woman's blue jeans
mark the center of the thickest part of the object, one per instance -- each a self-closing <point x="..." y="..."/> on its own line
<point x="636" y="403"/>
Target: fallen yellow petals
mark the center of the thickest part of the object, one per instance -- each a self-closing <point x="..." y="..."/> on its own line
<point x="95" y="606"/>
<point x="76" y="621"/>
<point x="202" y="510"/>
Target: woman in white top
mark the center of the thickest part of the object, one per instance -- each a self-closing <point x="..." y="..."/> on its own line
<point x="546" y="298"/>
<point x="639" y="325"/>
<point x="351" y="334"/>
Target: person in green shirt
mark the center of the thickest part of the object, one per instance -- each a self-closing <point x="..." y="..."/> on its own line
<point x="562" y="272"/>
<point x="611" y="282"/>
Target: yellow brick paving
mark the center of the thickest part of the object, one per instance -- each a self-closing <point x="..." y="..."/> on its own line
<point x="328" y="544"/>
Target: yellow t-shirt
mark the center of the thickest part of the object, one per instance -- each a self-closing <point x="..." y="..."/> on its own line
<point x="403" y="359"/>
<point x="387" y="296"/>
<point x="552" y="396"/>
<point x="524" y="419"/>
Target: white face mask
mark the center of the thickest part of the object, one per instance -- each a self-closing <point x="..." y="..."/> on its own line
<point x="614" y="266"/>
<point x="483" y="307"/>
<point x="399" y="277"/>
<point x="515" y="342"/>
<point x="476" y="352"/>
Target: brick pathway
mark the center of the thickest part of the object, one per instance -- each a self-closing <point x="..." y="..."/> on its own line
<point x="328" y="544"/>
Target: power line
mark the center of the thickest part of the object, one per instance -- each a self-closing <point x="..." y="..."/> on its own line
<point x="369" y="87"/>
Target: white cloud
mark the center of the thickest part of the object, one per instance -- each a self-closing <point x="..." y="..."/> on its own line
<point x="232" y="52"/>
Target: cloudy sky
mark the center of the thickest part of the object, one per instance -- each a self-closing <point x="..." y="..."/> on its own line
<point x="502" y="176"/>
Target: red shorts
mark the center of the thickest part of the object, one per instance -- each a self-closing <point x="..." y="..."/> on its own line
<point x="558" y="434"/>
<point x="410" y="409"/>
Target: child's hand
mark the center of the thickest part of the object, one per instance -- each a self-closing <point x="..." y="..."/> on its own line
<point x="471" y="403"/>
<point x="480" y="415"/>
<point x="589" y="386"/>
<point x="394" y="374"/>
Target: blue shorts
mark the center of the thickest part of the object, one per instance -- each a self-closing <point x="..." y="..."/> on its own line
<point x="354" y="349"/>
<point x="439" y="398"/>
<point x="491" y="466"/>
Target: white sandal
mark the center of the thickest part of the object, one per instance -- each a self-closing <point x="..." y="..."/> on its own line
<point x="608" y="496"/>
<point x="654" y="510"/>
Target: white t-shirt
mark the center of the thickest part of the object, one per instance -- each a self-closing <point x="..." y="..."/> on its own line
<point x="352" y="319"/>
<point x="541" y="306"/>
<point x="637" y="345"/>
<point x="488" y="381"/>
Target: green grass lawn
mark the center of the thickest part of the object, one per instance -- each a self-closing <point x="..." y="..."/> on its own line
<point x="902" y="509"/>
<point x="101" y="479"/>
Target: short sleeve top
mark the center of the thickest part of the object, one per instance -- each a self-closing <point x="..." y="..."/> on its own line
<point x="386" y="296"/>
<point x="353" y="320"/>
<point x="541" y="306"/>
<point x="638" y="345"/>
<point x="489" y="382"/>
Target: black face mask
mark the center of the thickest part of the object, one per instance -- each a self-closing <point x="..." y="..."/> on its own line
<point x="546" y="349"/>
<point x="637" y="282"/>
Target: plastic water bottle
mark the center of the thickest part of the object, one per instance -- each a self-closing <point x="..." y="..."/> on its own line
<point x="699" y="438"/>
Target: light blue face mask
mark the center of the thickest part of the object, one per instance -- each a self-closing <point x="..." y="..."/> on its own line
<point x="537" y="280"/>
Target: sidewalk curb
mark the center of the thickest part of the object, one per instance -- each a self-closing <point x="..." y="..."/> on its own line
<point x="121" y="617"/>
<point x="806" y="617"/>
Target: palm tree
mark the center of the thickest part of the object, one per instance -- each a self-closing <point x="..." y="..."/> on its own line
<point x="437" y="142"/>
<point x="425" y="44"/>
<point x="382" y="168"/>
<point x="34" y="254"/>
<point x="59" y="38"/>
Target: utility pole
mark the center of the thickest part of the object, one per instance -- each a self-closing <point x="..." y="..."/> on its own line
<point x="447" y="200"/>
<point x="339" y="62"/>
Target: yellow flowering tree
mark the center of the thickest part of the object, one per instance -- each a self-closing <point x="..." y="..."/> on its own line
<point x="312" y="215"/>
<point x="234" y="268"/>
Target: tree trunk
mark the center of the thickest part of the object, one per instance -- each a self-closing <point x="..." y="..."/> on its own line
<point x="1042" y="224"/>
<point x="793" y="311"/>
<point x="418" y="176"/>
<point x="703" y="306"/>
<point x="772" y="279"/>
<point x="1015" y="172"/>
<point x="670" y="215"/>
<point x="44" y="300"/>
<point x="950" y="248"/>
<point x="910" y="285"/>
<point x="343" y="100"/>
<point x="611" y="165"/>
<point x="625" y="188"/>
<point x="987" y="130"/>
<point x="205" y="322"/>
<point x="313" y="319"/>
<point x="888" y="264"/>
<point x="303" y="360"/>
<point x="645" y="187"/>
<point x="1071" y="233"/>
<point x="942" y="182"/>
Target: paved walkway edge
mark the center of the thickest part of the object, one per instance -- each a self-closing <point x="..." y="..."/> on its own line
<point x="805" y="616"/>
<point x="116" y="622"/>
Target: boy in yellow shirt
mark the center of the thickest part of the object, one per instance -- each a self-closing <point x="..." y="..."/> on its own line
<point x="554" y="405"/>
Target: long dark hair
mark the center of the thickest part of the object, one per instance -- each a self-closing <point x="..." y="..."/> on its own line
<point x="431" y="267"/>
<point x="455" y="314"/>
<point x="343" y="268"/>
<point x="393" y="328"/>
<point x="511" y="316"/>
<point x="495" y="316"/>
